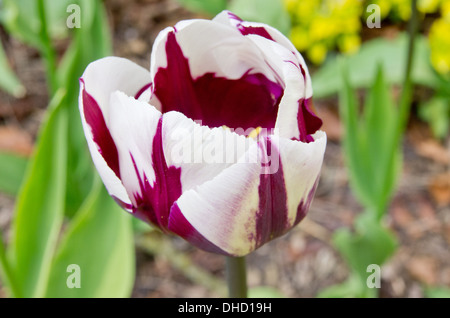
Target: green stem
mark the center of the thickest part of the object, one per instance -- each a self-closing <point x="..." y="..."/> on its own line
<point x="236" y="277"/>
<point x="47" y="49"/>
<point x="6" y="272"/>
<point x="405" y="100"/>
<point x="406" y="96"/>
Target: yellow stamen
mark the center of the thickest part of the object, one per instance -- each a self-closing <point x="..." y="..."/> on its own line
<point x="255" y="132"/>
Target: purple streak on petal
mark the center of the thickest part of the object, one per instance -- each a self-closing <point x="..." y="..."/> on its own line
<point x="233" y="16"/>
<point x="296" y="65"/>
<point x="153" y="203"/>
<point x="180" y="226"/>
<point x="250" y="101"/>
<point x="123" y="205"/>
<point x="272" y="216"/>
<point x="308" y="122"/>
<point x="303" y="207"/>
<point x="246" y="30"/>
<point x="100" y="132"/>
<point x="142" y="90"/>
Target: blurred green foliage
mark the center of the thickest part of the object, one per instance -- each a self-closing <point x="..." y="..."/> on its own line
<point x="320" y="26"/>
<point x="63" y="215"/>
<point x="372" y="155"/>
<point x="362" y="66"/>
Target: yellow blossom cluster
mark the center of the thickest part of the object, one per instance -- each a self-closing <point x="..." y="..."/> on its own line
<point x="319" y="26"/>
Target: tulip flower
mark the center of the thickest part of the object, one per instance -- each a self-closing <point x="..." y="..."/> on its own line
<point x="217" y="143"/>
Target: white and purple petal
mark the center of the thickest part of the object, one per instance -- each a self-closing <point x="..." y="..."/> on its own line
<point x="253" y="201"/>
<point x="151" y="185"/>
<point x="245" y="93"/>
<point x="99" y="80"/>
<point x="158" y="139"/>
<point x="296" y="102"/>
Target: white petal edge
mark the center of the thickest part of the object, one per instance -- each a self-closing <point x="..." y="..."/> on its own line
<point x="301" y="164"/>
<point x="286" y="66"/>
<point x="277" y="36"/>
<point x="110" y="74"/>
<point x="133" y="125"/>
<point x="201" y="152"/>
<point x="211" y="47"/>
<point x="223" y="209"/>
<point x="99" y="80"/>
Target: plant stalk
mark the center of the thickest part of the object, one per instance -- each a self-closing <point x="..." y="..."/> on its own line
<point x="406" y="96"/>
<point x="236" y="277"/>
<point x="6" y="272"/>
<point x="47" y="50"/>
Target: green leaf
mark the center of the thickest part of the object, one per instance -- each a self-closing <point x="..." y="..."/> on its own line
<point x="353" y="287"/>
<point x="436" y="112"/>
<point x="100" y="241"/>
<point x="264" y="292"/>
<point x="363" y="66"/>
<point x="379" y="124"/>
<point x="21" y="18"/>
<point x="355" y="143"/>
<point x="370" y="244"/>
<point x="271" y="12"/>
<point x="8" y="80"/>
<point x="371" y="152"/>
<point x="40" y="204"/>
<point x="437" y="292"/>
<point x="88" y="44"/>
<point x="12" y="171"/>
<point x="210" y="7"/>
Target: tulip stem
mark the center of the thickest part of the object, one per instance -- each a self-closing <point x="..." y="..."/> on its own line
<point x="236" y="277"/>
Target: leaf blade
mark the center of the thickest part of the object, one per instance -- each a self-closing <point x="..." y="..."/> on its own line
<point x="40" y="204"/>
<point x="100" y="241"/>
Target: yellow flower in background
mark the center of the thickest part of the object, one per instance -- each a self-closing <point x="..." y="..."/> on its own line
<point x="317" y="53"/>
<point x="445" y="9"/>
<point x="385" y="7"/>
<point x="428" y="6"/>
<point x="323" y="28"/>
<point x="402" y="8"/>
<point x="300" y="38"/>
<point x="440" y="45"/>
<point x="306" y="9"/>
<point x="319" y="26"/>
<point x="349" y="44"/>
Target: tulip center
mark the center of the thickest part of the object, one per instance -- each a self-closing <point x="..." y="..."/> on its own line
<point x="247" y="102"/>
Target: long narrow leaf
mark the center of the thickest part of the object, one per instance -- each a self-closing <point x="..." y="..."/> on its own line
<point x="380" y="121"/>
<point x="92" y="41"/>
<point x="100" y="243"/>
<point x="12" y="170"/>
<point x="355" y="143"/>
<point x="8" y="80"/>
<point x="39" y="208"/>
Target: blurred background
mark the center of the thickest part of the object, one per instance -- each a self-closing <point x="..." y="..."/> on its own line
<point x="309" y="260"/>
